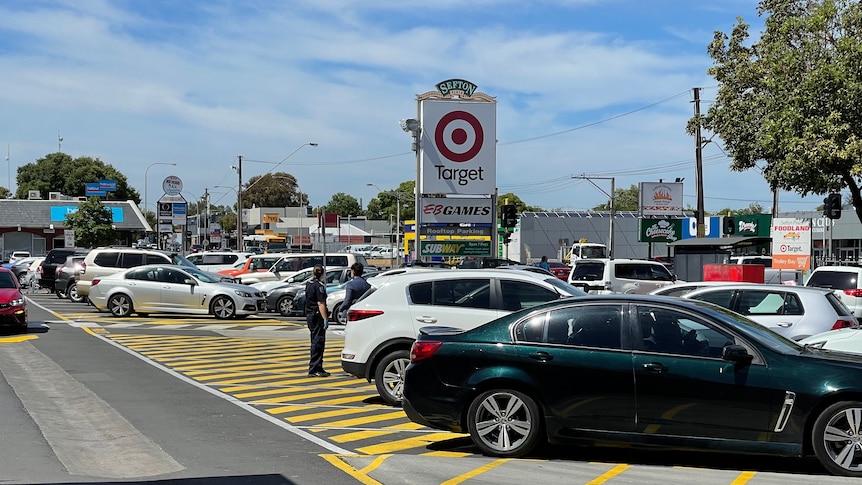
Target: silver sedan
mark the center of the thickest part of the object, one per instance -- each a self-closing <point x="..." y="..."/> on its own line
<point x="165" y="288"/>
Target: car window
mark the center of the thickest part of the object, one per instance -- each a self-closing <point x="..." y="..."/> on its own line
<point x="761" y="302"/>
<point x="838" y="305"/>
<point x="839" y="280"/>
<point x="157" y="259"/>
<point x="591" y="271"/>
<point x="637" y="271"/>
<point x="718" y="297"/>
<point x="145" y="274"/>
<point x="469" y="293"/>
<point x="586" y="326"/>
<point x="167" y="275"/>
<point x="420" y="293"/>
<point x="673" y="332"/>
<point x="337" y="261"/>
<point x="107" y="259"/>
<point x="531" y="329"/>
<point x="6" y="280"/>
<point x="195" y="258"/>
<point x="519" y="294"/>
<point x="131" y="260"/>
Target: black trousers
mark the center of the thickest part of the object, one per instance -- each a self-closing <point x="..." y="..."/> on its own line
<point x="318" y="341"/>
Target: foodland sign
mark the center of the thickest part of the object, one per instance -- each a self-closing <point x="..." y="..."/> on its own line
<point x="791" y="244"/>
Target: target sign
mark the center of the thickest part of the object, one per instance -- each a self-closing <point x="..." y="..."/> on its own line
<point x="458" y="153"/>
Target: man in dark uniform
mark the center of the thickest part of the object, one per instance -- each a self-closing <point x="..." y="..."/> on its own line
<point x="354" y="289"/>
<point x="315" y="317"/>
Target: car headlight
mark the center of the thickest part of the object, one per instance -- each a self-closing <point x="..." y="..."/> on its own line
<point x="17" y="302"/>
<point x="243" y="294"/>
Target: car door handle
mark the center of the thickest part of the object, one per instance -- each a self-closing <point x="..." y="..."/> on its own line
<point x="426" y="319"/>
<point x="655" y="367"/>
<point x="785" y="324"/>
<point x="541" y="356"/>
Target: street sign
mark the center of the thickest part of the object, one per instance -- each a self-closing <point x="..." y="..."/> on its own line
<point x="172" y="185"/>
<point x="455" y="248"/>
<point x="791" y="244"/>
<point x="456" y="230"/>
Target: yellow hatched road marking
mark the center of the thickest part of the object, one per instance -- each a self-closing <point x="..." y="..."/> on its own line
<point x="346" y="423"/>
<point x="406" y="444"/>
<point x="310" y="395"/>
<point x="608" y="475"/>
<point x="473" y="473"/>
<point x="373" y="433"/>
<point x="333" y="413"/>
<point x="448" y="454"/>
<point x="285" y="384"/>
<point x="16" y="339"/>
<point x="344" y="400"/>
<point x="743" y="478"/>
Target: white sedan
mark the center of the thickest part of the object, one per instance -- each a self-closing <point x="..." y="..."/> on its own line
<point x="165" y="288"/>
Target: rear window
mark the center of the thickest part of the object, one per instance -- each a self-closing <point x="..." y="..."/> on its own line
<point x="57" y="256"/>
<point x="469" y="293"/>
<point x="588" y="271"/>
<point x="635" y="271"/>
<point x="107" y="259"/>
<point x="836" y="280"/>
<point x="838" y="305"/>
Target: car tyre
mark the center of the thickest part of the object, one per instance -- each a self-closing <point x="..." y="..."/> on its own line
<point x="120" y="305"/>
<point x="837" y="438"/>
<point x="285" y="305"/>
<point x="72" y="292"/>
<point x="504" y="423"/>
<point x="61" y="294"/>
<point x="389" y="376"/>
<point x="336" y="314"/>
<point x="223" y="308"/>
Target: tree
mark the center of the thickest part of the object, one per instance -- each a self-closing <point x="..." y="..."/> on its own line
<point x="520" y="205"/>
<point x="386" y="203"/>
<point x="93" y="224"/>
<point x="5" y="193"/>
<point x="753" y="208"/>
<point x="58" y="172"/>
<point x="791" y="99"/>
<point x="343" y="204"/>
<point x="624" y="200"/>
<point x="278" y="189"/>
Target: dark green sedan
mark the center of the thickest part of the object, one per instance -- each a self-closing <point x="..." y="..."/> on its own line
<point x="641" y="369"/>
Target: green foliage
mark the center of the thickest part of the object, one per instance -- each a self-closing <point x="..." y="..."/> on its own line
<point x="520" y="205"/>
<point x="93" y="224"/>
<point x="624" y="200"/>
<point x="58" y="172"/>
<point x="791" y="98"/>
<point x="278" y="189"/>
<point x="386" y="203"/>
<point x="343" y="204"/>
<point x="753" y="208"/>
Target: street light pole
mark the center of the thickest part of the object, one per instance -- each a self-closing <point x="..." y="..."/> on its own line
<point x="398" y="195"/>
<point x="612" y="198"/>
<point x="146" y="194"/>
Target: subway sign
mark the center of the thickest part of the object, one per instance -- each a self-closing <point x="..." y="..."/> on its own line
<point x="455" y="248"/>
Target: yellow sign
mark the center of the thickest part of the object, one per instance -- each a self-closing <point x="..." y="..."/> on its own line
<point x="270" y="218"/>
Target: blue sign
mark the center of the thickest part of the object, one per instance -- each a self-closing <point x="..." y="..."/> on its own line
<point x="108" y="185"/>
<point x="711" y="227"/>
<point x="94" y="190"/>
<point x="59" y="213"/>
<point x="179" y="209"/>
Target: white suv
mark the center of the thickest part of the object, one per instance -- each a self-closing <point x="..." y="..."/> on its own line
<point x="602" y="276"/>
<point x="106" y="261"/>
<point x="845" y="280"/>
<point x="382" y="325"/>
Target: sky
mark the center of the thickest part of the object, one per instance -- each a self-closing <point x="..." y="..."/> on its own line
<point x="595" y="88"/>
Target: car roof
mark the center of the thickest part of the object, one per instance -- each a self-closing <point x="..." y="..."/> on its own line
<point x="468" y="273"/>
<point x="847" y="269"/>
<point x="748" y="286"/>
<point x="617" y="260"/>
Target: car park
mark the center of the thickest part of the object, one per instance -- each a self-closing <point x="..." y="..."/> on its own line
<point x="55" y="257"/>
<point x="66" y="282"/>
<point x="168" y="288"/>
<point x="101" y="262"/>
<point x="637" y="370"/>
<point x="794" y="312"/>
<point x="602" y="276"/>
<point x="383" y="323"/>
<point x="291" y="263"/>
<point x="13" y="305"/>
<point x="846" y="281"/>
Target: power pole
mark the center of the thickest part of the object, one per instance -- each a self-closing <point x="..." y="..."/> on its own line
<point x="698" y="156"/>
<point x="239" y="241"/>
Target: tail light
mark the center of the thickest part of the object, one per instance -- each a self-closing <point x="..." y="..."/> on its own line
<point x="854" y="292"/>
<point x="356" y="315"/>
<point x="844" y="324"/>
<point x="421" y="350"/>
<point x="95" y="282"/>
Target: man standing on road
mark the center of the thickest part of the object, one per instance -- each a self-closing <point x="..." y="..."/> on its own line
<point x="544" y="264"/>
<point x="315" y="317"/>
<point x="354" y="289"/>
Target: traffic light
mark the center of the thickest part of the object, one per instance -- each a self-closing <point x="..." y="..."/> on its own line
<point x="508" y="216"/>
<point x="507" y="237"/>
<point x="832" y="206"/>
<point x="729" y="225"/>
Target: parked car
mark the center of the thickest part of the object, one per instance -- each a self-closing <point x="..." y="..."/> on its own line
<point x="55" y="257"/>
<point x="601" y="276"/>
<point x="794" y="312"/>
<point x="18" y="255"/>
<point x="20" y="266"/>
<point x="473" y="262"/>
<point x="761" y="260"/>
<point x="255" y="263"/>
<point x="13" y="305"/>
<point x="845" y="280"/>
<point x="280" y="299"/>
<point x="843" y="340"/>
<point x="30" y="277"/>
<point x="66" y="282"/>
<point x="168" y="288"/>
<point x="649" y="370"/>
<point x="291" y="263"/>
<point x="101" y="262"/>
<point x="561" y="270"/>
<point x="383" y="323"/>
<point x="335" y="292"/>
<point x="215" y="261"/>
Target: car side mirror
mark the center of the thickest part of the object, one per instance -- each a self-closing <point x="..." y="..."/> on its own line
<point x="736" y="353"/>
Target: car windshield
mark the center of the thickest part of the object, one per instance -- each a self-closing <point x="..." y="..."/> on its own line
<point x="6" y="280"/>
<point x="764" y="335"/>
<point x="182" y="261"/>
<point x="203" y="276"/>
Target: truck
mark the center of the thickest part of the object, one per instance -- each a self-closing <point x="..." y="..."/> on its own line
<point x="585" y="250"/>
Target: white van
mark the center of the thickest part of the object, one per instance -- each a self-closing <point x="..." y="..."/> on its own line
<point x="291" y="263"/>
<point x="215" y="261"/>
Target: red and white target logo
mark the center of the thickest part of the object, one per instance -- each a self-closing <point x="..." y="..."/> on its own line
<point x="459" y="136"/>
<point x="458" y="147"/>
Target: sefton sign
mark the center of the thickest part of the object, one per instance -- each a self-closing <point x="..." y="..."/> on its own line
<point x="455" y="210"/>
<point x="458" y="149"/>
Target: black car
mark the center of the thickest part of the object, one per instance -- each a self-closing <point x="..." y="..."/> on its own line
<point x="54" y="259"/>
<point x="638" y="369"/>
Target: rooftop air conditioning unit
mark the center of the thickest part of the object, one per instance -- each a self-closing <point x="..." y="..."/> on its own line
<point x="34" y="195"/>
<point x="54" y="195"/>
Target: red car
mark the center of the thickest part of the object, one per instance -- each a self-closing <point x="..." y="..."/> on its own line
<point x="13" y="305"/>
<point x="560" y="270"/>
